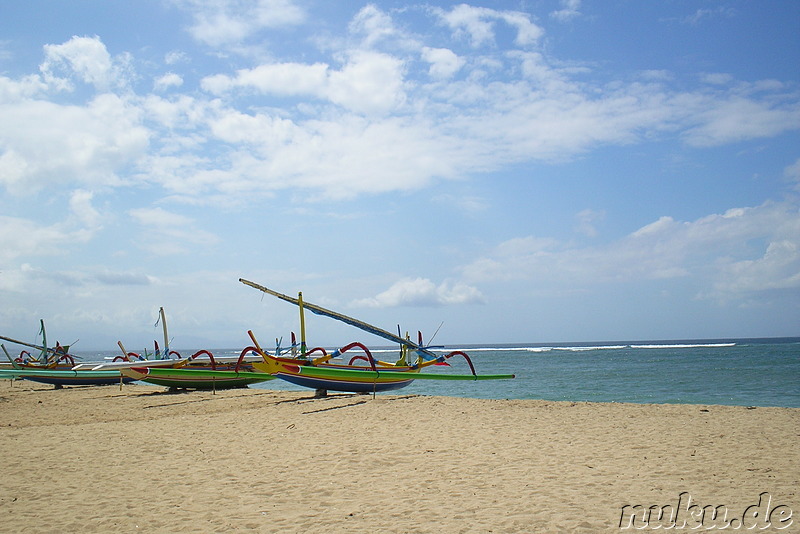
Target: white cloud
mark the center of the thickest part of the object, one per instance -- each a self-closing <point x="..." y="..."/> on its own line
<point x="166" y="81"/>
<point x="360" y="124"/>
<point x="230" y="22"/>
<point x="477" y="23"/>
<point x="86" y="59"/>
<point x="745" y="248"/>
<point x="16" y="91"/>
<point x="569" y="10"/>
<point x="717" y="78"/>
<point x="792" y="172"/>
<point x="423" y="292"/>
<point x="167" y="234"/>
<point x="736" y="118"/>
<point x="586" y="221"/>
<point x="444" y="62"/>
<point x="374" y="26"/>
<point x="369" y="82"/>
<point x="778" y="268"/>
<point x="80" y="205"/>
<point x="280" y="79"/>
<point x="23" y="237"/>
<point x="175" y="56"/>
<point x="47" y="143"/>
<point x="158" y="218"/>
<point x="702" y="14"/>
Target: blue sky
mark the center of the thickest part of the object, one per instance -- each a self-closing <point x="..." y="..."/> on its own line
<point x="526" y="171"/>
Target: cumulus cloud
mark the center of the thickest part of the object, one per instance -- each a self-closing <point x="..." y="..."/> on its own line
<point x="477" y="24"/>
<point x="778" y="268"/>
<point x="166" y="81"/>
<point x="569" y="10"/>
<point x="423" y="292"/>
<point x="230" y="22"/>
<point x="444" y="62"/>
<point x="359" y="123"/>
<point x="85" y="59"/>
<point x="741" y="249"/>
<point x="48" y="144"/>
<point x="369" y="82"/>
<point x="375" y="27"/>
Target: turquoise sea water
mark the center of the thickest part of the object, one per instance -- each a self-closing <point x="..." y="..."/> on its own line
<point x="744" y="372"/>
<point x="732" y="372"/>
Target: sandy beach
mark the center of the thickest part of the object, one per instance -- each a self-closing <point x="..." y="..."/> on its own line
<point x="137" y="459"/>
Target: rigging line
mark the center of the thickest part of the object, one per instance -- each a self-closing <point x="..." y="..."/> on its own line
<point x="430" y="341"/>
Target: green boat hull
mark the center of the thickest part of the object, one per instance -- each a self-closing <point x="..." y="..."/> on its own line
<point x="183" y="378"/>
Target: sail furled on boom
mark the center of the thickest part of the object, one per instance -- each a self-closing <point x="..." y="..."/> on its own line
<point x="319" y="310"/>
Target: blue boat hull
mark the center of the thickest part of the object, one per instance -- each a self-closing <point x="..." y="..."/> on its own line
<point x="340" y="385"/>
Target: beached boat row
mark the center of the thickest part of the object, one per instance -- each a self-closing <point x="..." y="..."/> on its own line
<point x="313" y="368"/>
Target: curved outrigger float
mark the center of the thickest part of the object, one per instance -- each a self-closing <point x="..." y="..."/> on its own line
<point x="372" y="376"/>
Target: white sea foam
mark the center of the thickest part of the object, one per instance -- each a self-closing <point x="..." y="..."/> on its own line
<point x="579" y="348"/>
<point x="684" y="346"/>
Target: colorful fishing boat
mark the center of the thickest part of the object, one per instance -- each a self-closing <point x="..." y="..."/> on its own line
<point x="172" y="372"/>
<point x="363" y="373"/>
<point x="66" y="377"/>
<point x="54" y="366"/>
<point x="195" y="374"/>
<point x="358" y="376"/>
<point x="196" y="377"/>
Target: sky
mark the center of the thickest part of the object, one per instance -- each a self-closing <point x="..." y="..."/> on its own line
<point x="522" y="171"/>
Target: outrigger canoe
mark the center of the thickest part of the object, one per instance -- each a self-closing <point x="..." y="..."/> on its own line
<point x="367" y="379"/>
<point x="173" y="373"/>
<point x="363" y="380"/>
<point x="190" y="378"/>
<point x="191" y="374"/>
<point x="321" y="374"/>
<point x="54" y="366"/>
<point x="66" y="377"/>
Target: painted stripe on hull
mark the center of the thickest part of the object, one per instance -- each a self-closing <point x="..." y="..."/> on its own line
<point x="196" y="378"/>
<point x="201" y="384"/>
<point x="66" y="377"/>
<point x="54" y="381"/>
<point x="343" y="385"/>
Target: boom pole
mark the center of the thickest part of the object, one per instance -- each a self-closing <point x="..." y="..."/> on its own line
<point x="319" y="310"/>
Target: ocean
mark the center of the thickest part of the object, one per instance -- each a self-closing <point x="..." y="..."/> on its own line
<point x="739" y="372"/>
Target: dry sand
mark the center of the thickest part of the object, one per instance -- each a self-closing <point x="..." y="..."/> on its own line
<point x="101" y="459"/>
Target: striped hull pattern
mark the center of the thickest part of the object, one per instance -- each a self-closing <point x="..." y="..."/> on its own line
<point x="195" y="377"/>
<point x="334" y="384"/>
<point x="66" y="377"/>
<point x="335" y="377"/>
